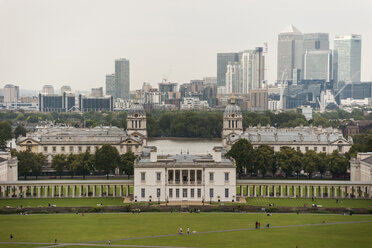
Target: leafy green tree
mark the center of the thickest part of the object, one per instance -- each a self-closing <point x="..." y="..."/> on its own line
<point x="297" y="163"/>
<point x="337" y="164"/>
<point x="59" y="163"/>
<point x="265" y="160"/>
<point x="20" y="131"/>
<point x="5" y="133"/>
<point x="322" y="163"/>
<point x="243" y="153"/>
<point x="37" y="167"/>
<point x="127" y="163"/>
<point x="72" y="164"/>
<point x="286" y="159"/>
<point x="310" y="162"/>
<point x="107" y="159"/>
<point x="85" y="163"/>
<point x="29" y="163"/>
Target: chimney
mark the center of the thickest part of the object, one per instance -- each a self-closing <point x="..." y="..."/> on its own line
<point x="153" y="154"/>
<point x="217" y="153"/>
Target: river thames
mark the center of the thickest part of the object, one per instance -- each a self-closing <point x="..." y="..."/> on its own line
<point x="176" y="145"/>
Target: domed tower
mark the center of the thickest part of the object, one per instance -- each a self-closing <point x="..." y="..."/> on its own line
<point x="136" y="121"/>
<point x="232" y="121"/>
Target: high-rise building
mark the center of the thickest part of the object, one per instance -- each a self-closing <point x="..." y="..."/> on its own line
<point x="210" y="80"/>
<point x="316" y="41"/>
<point x="347" y="56"/>
<point x="65" y="88"/>
<point x="11" y="93"/>
<point x="232" y="78"/>
<point x="318" y="65"/>
<point x="122" y="83"/>
<point x="258" y="99"/>
<point x="48" y="89"/>
<point x="223" y="60"/>
<point x="110" y="85"/>
<point x="56" y="103"/>
<point x="290" y="51"/>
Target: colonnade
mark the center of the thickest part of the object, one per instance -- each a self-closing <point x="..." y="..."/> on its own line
<point x="307" y="189"/>
<point x="67" y="190"/>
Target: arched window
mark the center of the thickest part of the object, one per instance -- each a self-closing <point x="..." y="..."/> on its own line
<point x="29" y="144"/>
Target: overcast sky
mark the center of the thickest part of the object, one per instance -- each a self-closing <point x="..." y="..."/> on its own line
<point x="75" y="42"/>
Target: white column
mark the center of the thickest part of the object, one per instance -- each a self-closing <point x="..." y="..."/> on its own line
<point x="254" y="191"/>
<point x="274" y="190"/>
<point x="321" y="191"/>
<point x="32" y="191"/>
<point x="87" y="191"/>
<point x="328" y="192"/>
<point x="267" y="190"/>
<point x="335" y="191"/>
<point x="59" y="191"/>
<point x="46" y="189"/>
<point x="301" y="191"/>
<point x="307" y="191"/>
<point x="114" y="190"/>
<point x="94" y="190"/>
<point x="38" y="191"/>
<point x="287" y="190"/>
<point x="73" y="190"/>
<point x="128" y="189"/>
<point x="107" y="190"/>
<point x="248" y="191"/>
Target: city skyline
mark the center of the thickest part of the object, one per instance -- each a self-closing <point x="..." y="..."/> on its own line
<point x="59" y="44"/>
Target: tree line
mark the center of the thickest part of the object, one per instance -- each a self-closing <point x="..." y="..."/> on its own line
<point x="103" y="162"/>
<point x="263" y="161"/>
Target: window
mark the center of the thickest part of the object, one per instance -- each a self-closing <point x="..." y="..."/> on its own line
<point x="71" y="149"/>
<point x="62" y="148"/>
<point x="192" y="193"/>
<point x="211" y="176"/>
<point x="226" y="176"/>
<point x="54" y="149"/>
<point x="199" y="193"/>
<point x="45" y="148"/>
<point x="211" y="193"/>
<point x="177" y="193"/>
<point x="80" y="149"/>
<point x="184" y="193"/>
<point x="226" y="193"/>
<point x="315" y="148"/>
<point x="129" y="148"/>
<point x="306" y="148"/>
<point x="340" y="149"/>
<point x="158" y="176"/>
<point x="298" y="148"/>
<point x="88" y="148"/>
<point x="143" y="193"/>
<point x="157" y="192"/>
<point x="171" y="193"/>
<point x="324" y="148"/>
<point x="143" y="176"/>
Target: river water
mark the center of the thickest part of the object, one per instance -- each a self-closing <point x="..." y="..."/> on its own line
<point x="175" y="146"/>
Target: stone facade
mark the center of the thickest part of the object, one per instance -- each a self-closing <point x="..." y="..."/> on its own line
<point x="8" y="167"/>
<point x="361" y="167"/>
<point x="184" y="177"/>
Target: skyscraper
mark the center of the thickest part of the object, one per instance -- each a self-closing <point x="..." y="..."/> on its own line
<point x="48" y="89"/>
<point x="223" y="60"/>
<point x="232" y="78"/>
<point x="347" y="56"/>
<point x="318" y="65"/>
<point x="252" y="69"/>
<point x="110" y="85"/>
<point x="316" y="41"/>
<point x="122" y="83"/>
<point x="11" y="93"/>
<point x="290" y="51"/>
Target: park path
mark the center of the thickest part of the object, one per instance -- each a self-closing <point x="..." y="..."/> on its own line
<point x="97" y="243"/>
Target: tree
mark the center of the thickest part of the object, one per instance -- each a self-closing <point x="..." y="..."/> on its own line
<point x="29" y="162"/>
<point x="107" y="159"/>
<point x="265" y="160"/>
<point x="5" y="133"/>
<point x="310" y="161"/>
<point x="243" y="153"/>
<point x="59" y="163"/>
<point x="286" y="159"/>
<point x="72" y="164"/>
<point x="20" y="131"/>
<point x="37" y="167"/>
<point x="127" y="163"/>
<point x="297" y="163"/>
<point x="322" y="163"/>
<point x="337" y="164"/>
<point x="85" y="163"/>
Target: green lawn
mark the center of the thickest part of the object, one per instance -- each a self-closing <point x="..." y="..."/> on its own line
<point x="94" y="227"/>
<point x="300" y="202"/>
<point x="62" y="202"/>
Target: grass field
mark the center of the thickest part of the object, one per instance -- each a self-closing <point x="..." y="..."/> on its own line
<point x="300" y="202"/>
<point x="99" y="227"/>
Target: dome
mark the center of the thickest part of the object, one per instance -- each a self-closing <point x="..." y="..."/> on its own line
<point x="136" y="108"/>
<point x="232" y="108"/>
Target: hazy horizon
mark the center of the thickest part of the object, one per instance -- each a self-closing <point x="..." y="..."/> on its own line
<point x="75" y="42"/>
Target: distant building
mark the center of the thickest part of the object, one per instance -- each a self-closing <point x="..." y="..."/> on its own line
<point x="48" y="90"/>
<point x="56" y="103"/>
<point x="232" y="78"/>
<point x="210" y="80"/>
<point x="347" y="56"/>
<point x="307" y="111"/>
<point x="97" y="92"/>
<point x="252" y="70"/>
<point x="290" y="51"/>
<point x="316" y="42"/>
<point x="361" y="167"/>
<point x="258" y="99"/>
<point x="89" y="103"/>
<point x="8" y="167"/>
<point x="184" y="177"/>
<point x="193" y="103"/>
<point x="11" y="93"/>
<point x="318" y="65"/>
<point x="223" y="60"/>
<point x="167" y="87"/>
<point x="65" y="88"/>
<point x="110" y="85"/>
<point x="122" y="78"/>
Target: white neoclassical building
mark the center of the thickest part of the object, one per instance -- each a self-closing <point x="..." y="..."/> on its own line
<point x="302" y="138"/>
<point x="53" y="140"/>
<point x="361" y="167"/>
<point x="8" y="167"/>
<point x="184" y="177"/>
